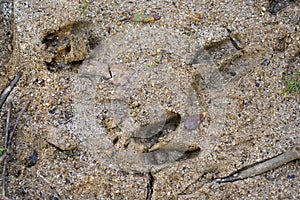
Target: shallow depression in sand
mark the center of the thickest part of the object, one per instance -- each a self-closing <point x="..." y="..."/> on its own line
<point x="132" y="116"/>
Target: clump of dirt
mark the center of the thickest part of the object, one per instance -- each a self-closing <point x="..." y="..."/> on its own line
<point x="65" y="48"/>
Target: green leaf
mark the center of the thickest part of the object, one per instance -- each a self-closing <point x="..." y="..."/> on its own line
<point x="1" y="150"/>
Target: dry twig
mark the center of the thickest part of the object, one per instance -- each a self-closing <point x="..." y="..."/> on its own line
<point x="6" y="146"/>
<point x="262" y="167"/>
<point x="8" y="141"/>
<point x="7" y="90"/>
<point x="17" y="121"/>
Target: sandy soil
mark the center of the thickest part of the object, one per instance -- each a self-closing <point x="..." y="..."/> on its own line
<point x="114" y="103"/>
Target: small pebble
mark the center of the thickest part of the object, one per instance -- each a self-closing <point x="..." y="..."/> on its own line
<point x="32" y="160"/>
<point x="290" y="176"/>
<point x="265" y="62"/>
<point x="233" y="73"/>
<point x="192" y="122"/>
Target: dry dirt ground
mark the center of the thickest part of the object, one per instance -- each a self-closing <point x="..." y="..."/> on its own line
<point x="115" y="104"/>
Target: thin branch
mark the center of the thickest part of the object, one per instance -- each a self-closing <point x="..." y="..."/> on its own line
<point x="7" y="125"/>
<point x="6" y="146"/>
<point x="12" y="132"/>
<point x="262" y="167"/>
<point x="7" y="90"/>
<point x="8" y="141"/>
<point x="17" y="121"/>
<point x="4" y="154"/>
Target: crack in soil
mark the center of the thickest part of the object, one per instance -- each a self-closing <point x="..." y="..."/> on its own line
<point x="150" y="186"/>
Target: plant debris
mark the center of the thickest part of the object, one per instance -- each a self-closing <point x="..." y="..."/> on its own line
<point x="142" y="16"/>
<point x="6" y="92"/>
<point x="263" y="166"/>
<point x="9" y="137"/>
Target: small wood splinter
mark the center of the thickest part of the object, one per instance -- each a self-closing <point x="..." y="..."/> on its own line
<point x="262" y="167"/>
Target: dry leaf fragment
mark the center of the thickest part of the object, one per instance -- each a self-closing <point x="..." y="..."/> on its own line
<point x="141" y="16"/>
<point x="241" y="104"/>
